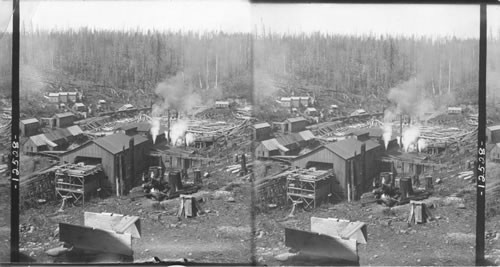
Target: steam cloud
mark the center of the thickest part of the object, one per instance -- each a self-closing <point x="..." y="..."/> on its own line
<point x="179" y="134"/>
<point x="407" y="99"/>
<point x="174" y="94"/>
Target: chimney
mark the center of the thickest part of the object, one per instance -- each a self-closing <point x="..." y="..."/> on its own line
<point x="168" y="126"/>
<point x="131" y="147"/>
<point x="363" y="162"/>
<point x="401" y="131"/>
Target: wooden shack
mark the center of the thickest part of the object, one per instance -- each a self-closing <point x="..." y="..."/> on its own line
<point x="120" y="156"/>
<point x="29" y="127"/>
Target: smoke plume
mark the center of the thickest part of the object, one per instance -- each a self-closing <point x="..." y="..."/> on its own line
<point x="155" y="128"/>
<point x="407" y="99"/>
<point x="410" y="137"/>
<point x="173" y="94"/>
<point x="179" y="134"/>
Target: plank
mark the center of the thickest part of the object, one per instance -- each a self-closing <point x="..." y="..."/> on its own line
<point x="93" y="239"/>
<point x="188" y="205"/>
<point x="113" y="222"/>
<point x="322" y="246"/>
<point x="340" y="228"/>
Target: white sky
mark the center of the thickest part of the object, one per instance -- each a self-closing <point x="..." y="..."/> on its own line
<point x="404" y="19"/>
<point x="241" y="16"/>
<point x="202" y="15"/>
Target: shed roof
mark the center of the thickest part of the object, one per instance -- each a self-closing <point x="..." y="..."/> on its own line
<point x="41" y="140"/>
<point x="29" y="121"/>
<point x="273" y="144"/>
<point x="116" y="142"/>
<point x="348" y="147"/>
<point x="54" y="94"/>
<point x="493" y="128"/>
<point x="296" y="119"/>
<point x="289" y="139"/>
<point x="57" y="134"/>
<point x="79" y="105"/>
<point x="75" y="130"/>
<point x="261" y="125"/>
<point x="306" y="135"/>
<point x="63" y="115"/>
<point x="285" y="99"/>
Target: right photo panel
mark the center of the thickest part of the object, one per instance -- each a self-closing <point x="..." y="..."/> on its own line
<point x="492" y="212"/>
<point x="366" y="134"/>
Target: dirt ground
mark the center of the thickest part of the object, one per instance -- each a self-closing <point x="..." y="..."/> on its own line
<point x="448" y="240"/>
<point x="221" y="235"/>
<point x="224" y="234"/>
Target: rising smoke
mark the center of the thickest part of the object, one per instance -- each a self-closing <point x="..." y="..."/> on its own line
<point x="174" y="94"/>
<point x="408" y="99"/>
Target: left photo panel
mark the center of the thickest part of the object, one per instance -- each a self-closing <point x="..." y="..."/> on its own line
<point x="6" y="12"/>
<point x="135" y="121"/>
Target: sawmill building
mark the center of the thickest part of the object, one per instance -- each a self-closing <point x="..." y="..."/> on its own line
<point x="120" y="155"/>
<point x="348" y="162"/>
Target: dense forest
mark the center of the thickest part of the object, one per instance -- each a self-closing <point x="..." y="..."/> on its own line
<point x="134" y="60"/>
<point x="371" y="65"/>
<point x="357" y="65"/>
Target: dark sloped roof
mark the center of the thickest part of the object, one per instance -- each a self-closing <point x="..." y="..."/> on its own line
<point x="116" y="142"/>
<point x="58" y="134"/>
<point x="348" y="147"/>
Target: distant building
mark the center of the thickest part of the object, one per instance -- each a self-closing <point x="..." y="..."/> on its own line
<point x="345" y="158"/>
<point x="261" y="131"/>
<point x="29" y="127"/>
<point x="38" y="143"/>
<point x="72" y="96"/>
<point x="493" y="134"/>
<point x="64" y="119"/>
<point x="296" y="124"/>
<point x="114" y="152"/>
<point x="79" y="107"/>
<point x="295" y="101"/>
<point x="311" y="112"/>
<point x="221" y="104"/>
<point x="54" y="97"/>
<point x="454" y="110"/>
<point x="288" y="144"/>
<point x="495" y="153"/>
<point x="286" y="102"/>
<point x="63" y="97"/>
<point x="54" y="139"/>
<point x="305" y="101"/>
